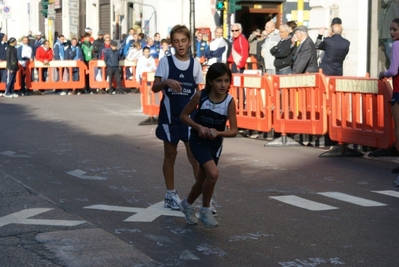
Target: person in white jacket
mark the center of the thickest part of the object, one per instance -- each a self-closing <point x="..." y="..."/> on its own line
<point x="271" y="40"/>
<point x="146" y="63"/>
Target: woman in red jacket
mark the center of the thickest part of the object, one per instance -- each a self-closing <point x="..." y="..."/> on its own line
<point x="44" y="54"/>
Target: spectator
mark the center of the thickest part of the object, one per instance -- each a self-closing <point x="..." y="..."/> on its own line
<point x="177" y="77"/>
<point x="271" y="40"/>
<point x="38" y="42"/>
<point x="142" y="39"/>
<point x="127" y="41"/>
<point x="389" y="11"/>
<point x="89" y="31"/>
<point x="283" y="51"/>
<point x="253" y="40"/>
<point x="335" y="49"/>
<point x="12" y="68"/>
<point x="112" y="57"/>
<point x="146" y="63"/>
<point x="239" y="50"/>
<point x="165" y="49"/>
<point x="3" y="56"/>
<point x="305" y="56"/>
<point x="31" y="39"/>
<point x="59" y="54"/>
<point x="218" y="48"/>
<point x="134" y="53"/>
<point x="98" y="44"/>
<point x="98" y="71"/>
<point x="200" y="46"/>
<point x="24" y="54"/>
<point x="157" y="42"/>
<point x="44" y="54"/>
<point x="87" y="50"/>
<point x="153" y="48"/>
<point x="292" y="24"/>
<point x="74" y="53"/>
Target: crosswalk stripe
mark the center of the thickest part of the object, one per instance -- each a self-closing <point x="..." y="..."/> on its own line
<point x="303" y="203"/>
<point x="352" y="199"/>
<point x="390" y="193"/>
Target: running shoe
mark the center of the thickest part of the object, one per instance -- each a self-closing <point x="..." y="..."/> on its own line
<point x="206" y="217"/>
<point x="189" y="213"/>
<point x="172" y="201"/>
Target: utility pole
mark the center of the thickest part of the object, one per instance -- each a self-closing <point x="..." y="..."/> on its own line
<point x="192" y="26"/>
<point x="300" y="12"/>
<point x="50" y="22"/>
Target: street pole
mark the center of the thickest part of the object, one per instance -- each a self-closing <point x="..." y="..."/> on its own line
<point x="50" y="22"/>
<point x="300" y="12"/>
<point x="192" y="26"/>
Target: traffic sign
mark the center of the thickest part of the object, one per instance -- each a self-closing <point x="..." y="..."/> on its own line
<point x="6" y="12"/>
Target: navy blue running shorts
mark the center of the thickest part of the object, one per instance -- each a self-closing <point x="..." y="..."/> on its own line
<point x="204" y="153"/>
<point x="395" y="98"/>
<point x="173" y="133"/>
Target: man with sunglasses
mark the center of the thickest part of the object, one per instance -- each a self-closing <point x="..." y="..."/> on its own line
<point x="239" y="50"/>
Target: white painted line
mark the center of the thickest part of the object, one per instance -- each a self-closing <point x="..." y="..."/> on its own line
<point x="142" y="214"/>
<point x="21" y="217"/>
<point x="303" y="203"/>
<point x="11" y="154"/>
<point x="352" y="199"/>
<point x="390" y="193"/>
<point x="80" y="174"/>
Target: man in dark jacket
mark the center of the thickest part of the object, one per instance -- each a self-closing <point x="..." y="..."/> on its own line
<point x="97" y="44"/>
<point x="3" y="50"/>
<point x="111" y="58"/>
<point x="12" y="67"/>
<point x="335" y="49"/>
<point x="305" y="56"/>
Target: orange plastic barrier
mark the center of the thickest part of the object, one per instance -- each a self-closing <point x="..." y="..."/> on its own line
<point x="17" y="86"/>
<point x="360" y="112"/>
<point x="97" y="80"/>
<point x="253" y="97"/>
<point x="59" y="75"/>
<point x="300" y="104"/>
<point x="149" y="100"/>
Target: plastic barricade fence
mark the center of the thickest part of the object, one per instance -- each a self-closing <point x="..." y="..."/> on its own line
<point x="254" y="101"/>
<point x="98" y="74"/>
<point x="56" y="75"/>
<point x="360" y="112"/>
<point x="17" y="85"/>
<point x="300" y="104"/>
<point x="149" y="100"/>
<point x="129" y="83"/>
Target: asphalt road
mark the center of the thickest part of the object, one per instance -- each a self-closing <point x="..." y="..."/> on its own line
<point x="81" y="185"/>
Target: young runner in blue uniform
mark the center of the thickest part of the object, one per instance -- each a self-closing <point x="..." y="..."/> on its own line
<point x="177" y="76"/>
<point x="213" y="106"/>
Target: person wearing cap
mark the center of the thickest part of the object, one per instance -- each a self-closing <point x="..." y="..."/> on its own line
<point x="38" y="42"/>
<point x="12" y="68"/>
<point x="335" y="49"/>
<point x="305" y="56"/>
<point x="111" y="58"/>
<point x="97" y="44"/>
<point x="89" y="31"/>
<point x="24" y="54"/>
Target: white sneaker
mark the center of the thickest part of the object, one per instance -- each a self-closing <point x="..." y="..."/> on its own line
<point x="396" y="183"/>
<point x="189" y="213"/>
<point x="8" y="96"/>
<point x="1" y="94"/>
<point x="14" y="95"/>
<point x="206" y="217"/>
<point x="172" y="201"/>
<point x="62" y="93"/>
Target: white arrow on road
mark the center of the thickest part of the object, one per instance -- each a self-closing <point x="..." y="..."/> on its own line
<point x="12" y="154"/>
<point x="21" y="217"/>
<point x="80" y="174"/>
<point x="142" y="214"/>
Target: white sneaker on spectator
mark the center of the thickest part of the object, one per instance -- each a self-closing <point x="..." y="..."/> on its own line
<point x="8" y="96"/>
<point x="62" y="93"/>
<point x="1" y="94"/>
<point x="15" y="95"/>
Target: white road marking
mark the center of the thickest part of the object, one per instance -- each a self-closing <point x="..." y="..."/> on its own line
<point x="11" y="154"/>
<point x="303" y="203"/>
<point x="80" y="174"/>
<point x="352" y="199"/>
<point x="142" y="214"/>
<point x="390" y="193"/>
<point x="21" y="217"/>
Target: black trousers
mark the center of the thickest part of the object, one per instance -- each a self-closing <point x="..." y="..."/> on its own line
<point x="113" y="72"/>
